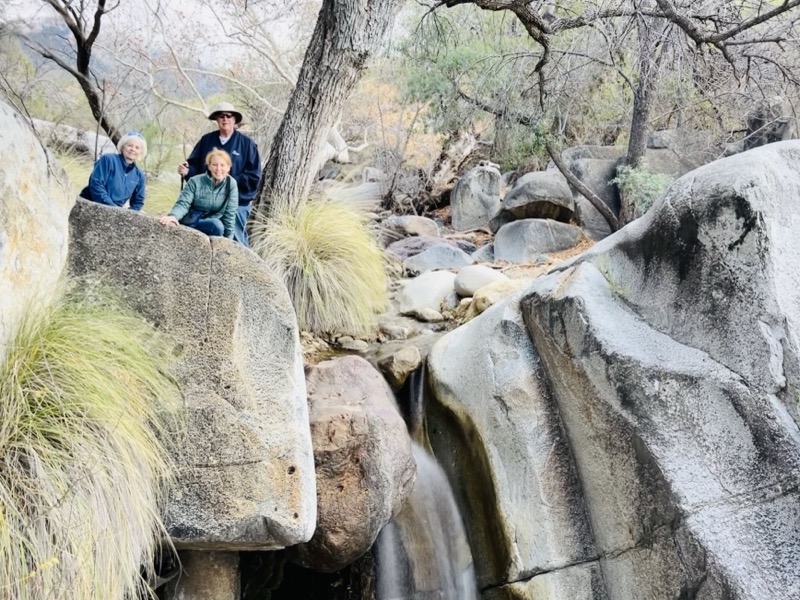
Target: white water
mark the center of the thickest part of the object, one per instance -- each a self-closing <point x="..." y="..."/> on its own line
<point x="423" y="553"/>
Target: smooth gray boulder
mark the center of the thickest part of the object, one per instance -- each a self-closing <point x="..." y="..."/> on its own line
<point x="597" y="175"/>
<point x="537" y="195"/>
<point x="493" y="428"/>
<point x="442" y="256"/>
<point x="484" y="254"/>
<point x="594" y="224"/>
<point x="33" y="221"/>
<point x="399" y="226"/>
<point x="411" y="246"/>
<point x="59" y="135"/>
<point x="362" y="453"/>
<point x="246" y="468"/>
<point x="671" y="349"/>
<point x="524" y="240"/>
<point x="475" y="198"/>
<point x="669" y="162"/>
<point x="429" y="290"/>
<point x="473" y="277"/>
<point x="591" y="152"/>
<point x="715" y="264"/>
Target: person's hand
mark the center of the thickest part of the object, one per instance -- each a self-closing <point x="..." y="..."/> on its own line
<point x="168" y="220"/>
<point x="183" y="168"/>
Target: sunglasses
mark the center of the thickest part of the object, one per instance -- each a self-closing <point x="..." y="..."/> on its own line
<point x="225" y="116"/>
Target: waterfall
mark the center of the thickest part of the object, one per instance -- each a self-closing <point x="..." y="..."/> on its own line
<point x="423" y="553"/>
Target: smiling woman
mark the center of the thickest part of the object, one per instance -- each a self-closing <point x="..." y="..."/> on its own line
<point x="115" y="178"/>
<point x="209" y="201"/>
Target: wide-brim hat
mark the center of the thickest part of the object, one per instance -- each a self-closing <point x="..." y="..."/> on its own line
<point x="224" y="107"/>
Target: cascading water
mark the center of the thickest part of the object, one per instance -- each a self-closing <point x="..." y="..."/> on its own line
<point x="423" y="553"/>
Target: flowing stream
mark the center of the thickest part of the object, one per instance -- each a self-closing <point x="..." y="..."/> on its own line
<point x="423" y="553"/>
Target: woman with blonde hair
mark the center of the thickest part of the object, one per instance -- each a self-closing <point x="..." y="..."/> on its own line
<point x="208" y="201"/>
<point x="246" y="163"/>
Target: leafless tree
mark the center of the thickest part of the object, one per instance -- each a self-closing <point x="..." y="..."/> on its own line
<point x="75" y="56"/>
<point x="748" y="35"/>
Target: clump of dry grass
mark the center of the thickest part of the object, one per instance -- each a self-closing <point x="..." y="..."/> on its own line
<point x="326" y="254"/>
<point x="84" y="404"/>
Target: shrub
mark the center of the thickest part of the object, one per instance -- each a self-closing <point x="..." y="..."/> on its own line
<point x="326" y="254"/>
<point x="640" y="186"/>
<point x="83" y="406"/>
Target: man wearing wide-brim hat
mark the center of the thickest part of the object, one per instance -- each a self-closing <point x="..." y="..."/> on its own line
<point x="245" y="161"/>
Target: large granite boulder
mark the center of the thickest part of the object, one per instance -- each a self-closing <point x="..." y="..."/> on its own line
<point x="396" y="227"/>
<point x="661" y="390"/>
<point x="526" y="239"/>
<point x="246" y="469"/>
<point x="672" y="352"/>
<point x="59" y="135"/>
<point x="363" y="459"/>
<point x="36" y="200"/>
<point x="493" y="425"/>
<point x="537" y="195"/>
<point x="442" y="256"/>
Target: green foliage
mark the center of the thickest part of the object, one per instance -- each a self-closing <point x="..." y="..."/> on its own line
<point x="326" y="254"/>
<point x="84" y="406"/>
<point x="521" y="146"/>
<point x="640" y="186"/>
<point x="484" y="56"/>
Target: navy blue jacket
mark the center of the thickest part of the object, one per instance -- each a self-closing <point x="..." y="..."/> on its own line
<point x="113" y="182"/>
<point x="245" y="162"/>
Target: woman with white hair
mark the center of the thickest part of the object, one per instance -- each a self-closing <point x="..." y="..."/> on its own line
<point x="115" y="178"/>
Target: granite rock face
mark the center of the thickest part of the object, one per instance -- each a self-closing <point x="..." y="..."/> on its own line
<point x="363" y="461"/>
<point x="475" y="198"/>
<point x="36" y="200"/>
<point x="246" y="470"/>
<point x="494" y="427"/>
<point x="661" y="370"/>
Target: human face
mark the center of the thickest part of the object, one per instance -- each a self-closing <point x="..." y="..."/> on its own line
<point x="131" y="150"/>
<point x="225" y="122"/>
<point x="218" y="168"/>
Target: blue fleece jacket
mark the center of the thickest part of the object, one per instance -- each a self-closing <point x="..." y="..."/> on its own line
<point x="245" y="162"/>
<point x="113" y="182"/>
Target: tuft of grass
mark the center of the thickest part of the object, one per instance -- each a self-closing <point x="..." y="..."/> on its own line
<point x="85" y="407"/>
<point x="77" y="167"/>
<point x="327" y="256"/>
<point x="161" y="194"/>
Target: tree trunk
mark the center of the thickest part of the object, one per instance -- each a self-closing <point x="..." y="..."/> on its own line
<point x="348" y="32"/>
<point x="649" y="65"/>
<point x="456" y="150"/>
<point x="582" y="188"/>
